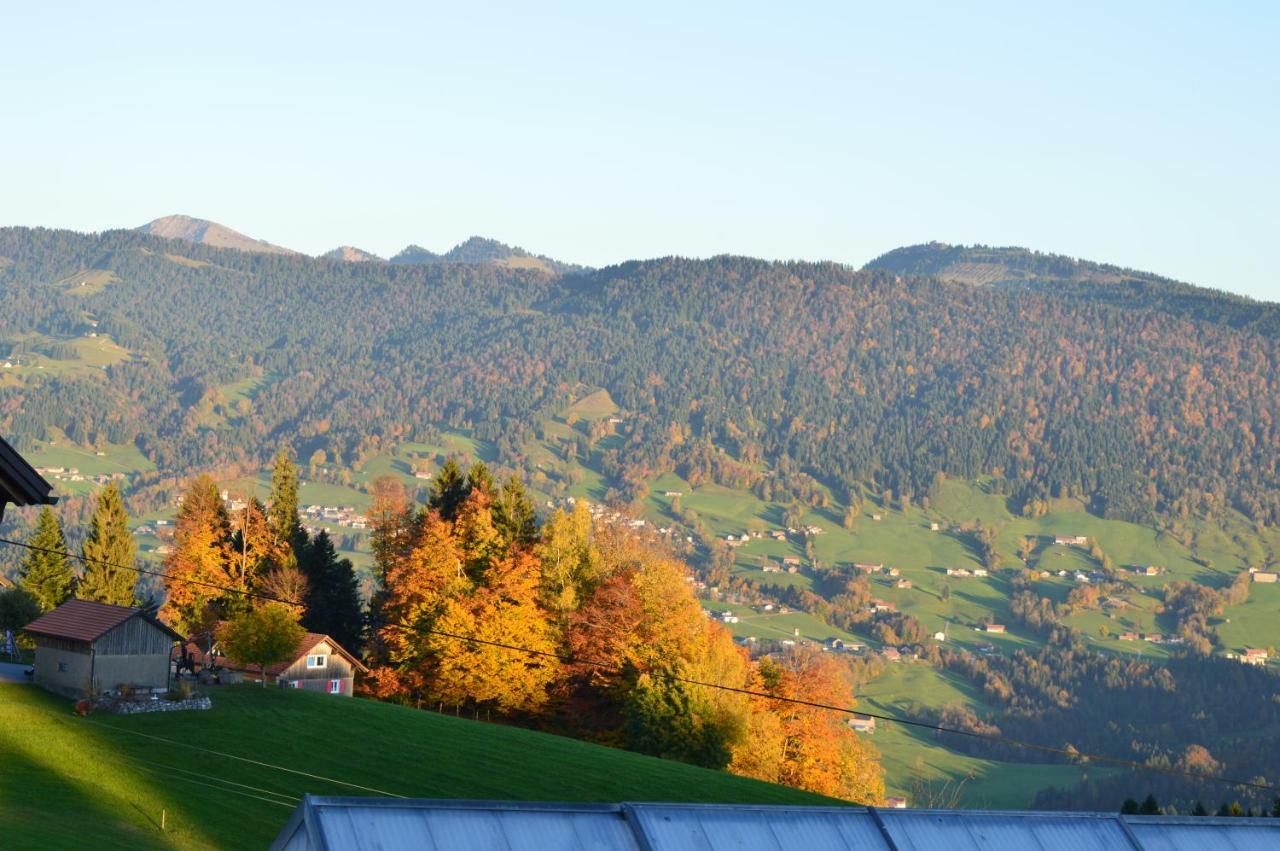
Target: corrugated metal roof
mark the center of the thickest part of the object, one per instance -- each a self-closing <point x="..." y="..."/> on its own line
<point x="388" y="824"/>
<point x="972" y="830"/>
<point x="87" y="620"/>
<point x="1205" y="834"/>
<point x="697" y="826"/>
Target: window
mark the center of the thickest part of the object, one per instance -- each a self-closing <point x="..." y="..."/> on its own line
<point x="316" y="661"/>
<point x="335" y="686"/>
<point x="295" y="683"/>
<point x="62" y="667"/>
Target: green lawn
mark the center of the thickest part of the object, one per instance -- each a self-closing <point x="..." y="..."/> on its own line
<point x="65" y="779"/>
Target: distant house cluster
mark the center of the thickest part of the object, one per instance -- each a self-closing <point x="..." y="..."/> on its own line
<point x="603" y="514"/>
<point x="73" y="474"/>
<point x="965" y="572"/>
<point x="338" y="515"/>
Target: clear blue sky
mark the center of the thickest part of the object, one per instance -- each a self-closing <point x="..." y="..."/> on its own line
<point x="1144" y="134"/>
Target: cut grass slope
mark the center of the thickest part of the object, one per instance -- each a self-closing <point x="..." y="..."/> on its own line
<point x="66" y="779"/>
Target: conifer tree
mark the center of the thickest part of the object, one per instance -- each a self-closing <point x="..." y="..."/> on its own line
<point x="283" y="513"/>
<point x="514" y="514"/>
<point x="46" y="573"/>
<point x="109" y="552"/>
<point x="333" y="599"/>
<point x="448" y="491"/>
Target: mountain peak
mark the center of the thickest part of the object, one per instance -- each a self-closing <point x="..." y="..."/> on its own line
<point x="205" y="232"/>
<point x="351" y="254"/>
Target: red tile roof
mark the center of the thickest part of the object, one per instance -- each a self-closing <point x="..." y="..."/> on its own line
<point x="86" y="620"/>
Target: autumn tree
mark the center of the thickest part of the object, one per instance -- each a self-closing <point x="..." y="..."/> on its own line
<point x="502" y="610"/>
<point x="46" y="572"/>
<point x="418" y="588"/>
<point x="804" y="746"/>
<point x="200" y="559"/>
<point x="570" y="562"/>
<point x="108" y="553"/>
<point x="265" y="636"/>
<point x="255" y="550"/>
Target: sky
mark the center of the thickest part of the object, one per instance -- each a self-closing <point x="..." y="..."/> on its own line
<point x="1141" y="134"/>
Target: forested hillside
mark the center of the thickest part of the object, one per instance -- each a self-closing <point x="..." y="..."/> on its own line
<point x="763" y="375"/>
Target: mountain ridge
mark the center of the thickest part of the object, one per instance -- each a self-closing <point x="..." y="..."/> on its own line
<point x="206" y="232"/>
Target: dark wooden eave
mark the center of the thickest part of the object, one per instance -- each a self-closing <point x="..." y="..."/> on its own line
<point x="20" y="484"/>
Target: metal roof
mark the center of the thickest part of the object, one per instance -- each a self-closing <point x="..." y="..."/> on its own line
<point x="87" y="620"/>
<point x="391" y="824"/>
<point x="20" y="484"/>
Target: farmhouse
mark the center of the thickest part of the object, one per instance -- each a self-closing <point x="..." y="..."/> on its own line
<point x="1268" y="576"/>
<point x="319" y="664"/>
<point x="903" y="583"/>
<point x="1254" y="656"/>
<point x="993" y="627"/>
<point x="979" y="571"/>
<point x="958" y="571"/>
<point x="791" y="561"/>
<point x="1071" y="540"/>
<point x="85" y="648"/>
<point x="1128" y="636"/>
<point x="862" y="723"/>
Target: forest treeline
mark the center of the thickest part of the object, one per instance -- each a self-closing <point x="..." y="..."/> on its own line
<point x="825" y="374"/>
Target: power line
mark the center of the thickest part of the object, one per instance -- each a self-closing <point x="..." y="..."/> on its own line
<point x="910" y="722"/>
<point x="246" y="759"/>
<point x="159" y="573"/>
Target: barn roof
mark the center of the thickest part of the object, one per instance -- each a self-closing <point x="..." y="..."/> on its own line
<point x="400" y="824"/>
<point x="87" y="620"/>
<point x="20" y="484"/>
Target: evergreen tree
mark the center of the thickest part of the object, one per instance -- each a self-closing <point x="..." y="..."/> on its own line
<point x="333" y="599"/>
<point x="46" y="573"/>
<point x="1150" y="807"/>
<point x="109" y="553"/>
<point x="1129" y="807"/>
<point x="514" y="514"/>
<point x="448" y="491"/>
<point x="479" y="478"/>
<point x="1199" y="810"/>
<point x="283" y="514"/>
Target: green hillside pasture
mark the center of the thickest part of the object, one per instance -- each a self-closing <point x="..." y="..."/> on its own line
<point x="912" y="753"/>
<point x="66" y="778"/>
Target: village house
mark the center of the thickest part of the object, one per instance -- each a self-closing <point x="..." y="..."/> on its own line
<point x="1268" y="576"/>
<point x="890" y="654"/>
<point x="895" y="802"/>
<point x="939" y="636"/>
<point x="770" y="567"/>
<point x="791" y="561"/>
<point x="980" y="571"/>
<point x="994" y="627"/>
<point x="863" y="567"/>
<point x="883" y="606"/>
<point x="319" y="664"/>
<point x="903" y="583"/>
<point x="85" y="648"/>
<point x="1128" y="636"/>
<point x="1071" y="540"/>
<point x="862" y="723"/>
<point x="958" y="571"/>
<point x="1254" y="656"/>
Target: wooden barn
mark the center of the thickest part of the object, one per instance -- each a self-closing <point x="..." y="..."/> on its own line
<point x="85" y="648"/>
